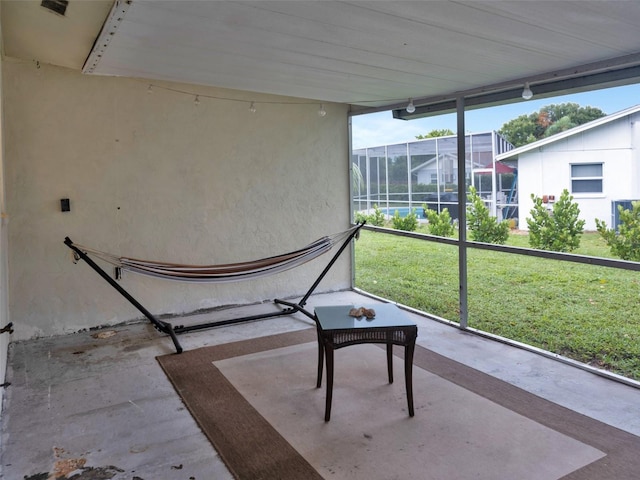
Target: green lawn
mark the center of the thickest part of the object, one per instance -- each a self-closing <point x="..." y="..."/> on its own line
<point x="585" y="312"/>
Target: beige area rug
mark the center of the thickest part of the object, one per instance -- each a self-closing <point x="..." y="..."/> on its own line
<point x="257" y="403"/>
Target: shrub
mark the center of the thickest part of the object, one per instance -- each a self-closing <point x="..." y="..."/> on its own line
<point x="376" y="218"/>
<point x="626" y="242"/>
<point x="482" y="226"/>
<point x="408" y="223"/>
<point x="360" y="217"/>
<point x="439" y="223"/>
<point x="558" y="230"/>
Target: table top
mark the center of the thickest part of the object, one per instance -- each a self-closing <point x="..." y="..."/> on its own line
<point x="336" y="317"/>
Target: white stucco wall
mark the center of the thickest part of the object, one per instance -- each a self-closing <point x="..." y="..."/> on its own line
<point x="4" y="299"/>
<point x="151" y="175"/>
<point x="547" y="170"/>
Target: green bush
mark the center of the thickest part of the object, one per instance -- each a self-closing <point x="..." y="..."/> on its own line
<point x="408" y="223"/>
<point x="626" y="242"/>
<point x="482" y="226"/>
<point x="376" y="218"/>
<point x="360" y="217"/>
<point x="557" y="230"/>
<point x="439" y="223"/>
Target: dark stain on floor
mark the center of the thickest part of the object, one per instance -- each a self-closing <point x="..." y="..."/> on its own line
<point x="86" y="473"/>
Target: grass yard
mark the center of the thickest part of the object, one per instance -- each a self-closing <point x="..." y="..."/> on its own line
<point x="588" y="313"/>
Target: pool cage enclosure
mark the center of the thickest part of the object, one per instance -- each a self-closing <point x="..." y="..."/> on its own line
<point x="407" y="176"/>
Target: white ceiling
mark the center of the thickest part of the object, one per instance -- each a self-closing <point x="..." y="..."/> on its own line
<point x="364" y="53"/>
<point x="31" y="32"/>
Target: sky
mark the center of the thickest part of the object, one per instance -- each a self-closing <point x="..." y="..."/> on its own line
<point x="381" y="128"/>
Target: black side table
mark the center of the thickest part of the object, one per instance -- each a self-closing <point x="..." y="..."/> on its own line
<point x="336" y="329"/>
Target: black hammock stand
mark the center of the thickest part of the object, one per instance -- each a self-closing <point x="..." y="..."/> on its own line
<point x="219" y="273"/>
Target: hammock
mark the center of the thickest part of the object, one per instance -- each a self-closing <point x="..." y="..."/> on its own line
<point x="230" y="272"/>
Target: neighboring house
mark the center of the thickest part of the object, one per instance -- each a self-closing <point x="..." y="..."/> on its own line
<point x="438" y="169"/>
<point x="598" y="162"/>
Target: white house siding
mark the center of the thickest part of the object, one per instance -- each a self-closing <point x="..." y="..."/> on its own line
<point x="426" y="173"/>
<point x="547" y="170"/>
<point x="154" y="176"/>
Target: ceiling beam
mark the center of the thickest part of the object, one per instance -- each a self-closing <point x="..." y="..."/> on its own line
<point x="542" y="90"/>
<point x="618" y="71"/>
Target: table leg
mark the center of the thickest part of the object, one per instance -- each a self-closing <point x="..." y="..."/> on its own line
<point x="390" y="361"/>
<point x="320" y="361"/>
<point x="328" y="349"/>
<point x="408" y="373"/>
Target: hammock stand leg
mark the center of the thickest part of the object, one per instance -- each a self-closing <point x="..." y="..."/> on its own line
<point x="164" y="327"/>
<point x="298" y="307"/>
<point x="291" y="306"/>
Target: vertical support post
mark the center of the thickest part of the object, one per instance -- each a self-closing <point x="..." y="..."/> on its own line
<point x="364" y="178"/>
<point x="462" y="214"/>
<point x="494" y="177"/>
<point x="350" y="188"/>
<point x="409" y="189"/>
<point x="386" y="176"/>
<point x="439" y="179"/>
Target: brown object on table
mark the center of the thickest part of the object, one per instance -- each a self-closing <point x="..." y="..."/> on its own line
<point x="362" y="311"/>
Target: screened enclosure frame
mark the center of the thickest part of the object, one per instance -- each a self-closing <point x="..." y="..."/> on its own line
<point x="463" y="245"/>
<point x="408" y="175"/>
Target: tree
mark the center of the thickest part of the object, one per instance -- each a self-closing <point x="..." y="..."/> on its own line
<point x="558" y="230"/>
<point x="482" y="226"/>
<point x="376" y="218"/>
<point x="565" y="123"/>
<point x="439" y="223"/>
<point x="436" y="133"/>
<point x="408" y="223"/>
<point x="624" y="243"/>
<point x="547" y="121"/>
<point x="520" y="131"/>
<point x="357" y="180"/>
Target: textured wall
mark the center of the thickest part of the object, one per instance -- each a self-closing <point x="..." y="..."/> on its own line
<point x="151" y="175"/>
<point x="4" y="310"/>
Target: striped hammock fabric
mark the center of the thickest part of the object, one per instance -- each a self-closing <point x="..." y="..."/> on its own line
<point x="231" y="272"/>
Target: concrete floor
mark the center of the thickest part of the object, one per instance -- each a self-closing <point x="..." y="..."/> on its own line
<point x="97" y="405"/>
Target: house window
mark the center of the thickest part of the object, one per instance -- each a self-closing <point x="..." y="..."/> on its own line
<point x="434" y="178"/>
<point x="586" y="178"/>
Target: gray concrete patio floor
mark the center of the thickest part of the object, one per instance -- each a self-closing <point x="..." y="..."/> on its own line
<point x="99" y="399"/>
